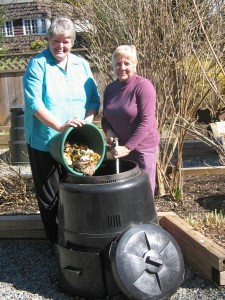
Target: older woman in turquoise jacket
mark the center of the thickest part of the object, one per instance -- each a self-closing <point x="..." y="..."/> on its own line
<point x="59" y="92"/>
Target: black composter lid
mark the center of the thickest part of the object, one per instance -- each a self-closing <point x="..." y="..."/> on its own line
<point x="17" y="108"/>
<point x="147" y="262"/>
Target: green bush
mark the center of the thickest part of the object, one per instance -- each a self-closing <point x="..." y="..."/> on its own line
<point x="38" y="45"/>
<point x="2" y="51"/>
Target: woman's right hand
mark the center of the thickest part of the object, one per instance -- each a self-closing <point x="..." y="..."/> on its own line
<point x="110" y="138"/>
<point x="74" y="122"/>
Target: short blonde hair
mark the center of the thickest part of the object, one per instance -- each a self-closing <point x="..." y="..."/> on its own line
<point x="127" y="51"/>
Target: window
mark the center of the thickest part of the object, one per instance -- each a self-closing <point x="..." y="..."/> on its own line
<point x="35" y="26"/>
<point x="8" y="28"/>
<point x="44" y="25"/>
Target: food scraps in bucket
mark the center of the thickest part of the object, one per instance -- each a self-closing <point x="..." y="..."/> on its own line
<point x="81" y="158"/>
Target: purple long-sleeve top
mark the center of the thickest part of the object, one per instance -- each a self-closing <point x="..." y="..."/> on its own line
<point x="129" y="111"/>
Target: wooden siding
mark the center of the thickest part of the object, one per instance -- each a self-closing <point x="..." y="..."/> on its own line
<point x="11" y="94"/>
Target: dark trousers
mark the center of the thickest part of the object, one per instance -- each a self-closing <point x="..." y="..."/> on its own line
<point x="47" y="175"/>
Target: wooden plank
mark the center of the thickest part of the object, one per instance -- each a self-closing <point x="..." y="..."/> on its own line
<point x="22" y="226"/>
<point x="23" y="234"/>
<point x="4" y="139"/>
<point x="218" y="277"/>
<point x="193" y="148"/>
<point x="5" y="128"/>
<point x="21" y="221"/>
<point x="222" y="278"/>
<point x="18" y="88"/>
<point x="201" y="171"/>
<point x="165" y="214"/>
<point x="4" y="136"/>
<point x="180" y="229"/>
<point x="4" y="112"/>
<point x="201" y="253"/>
<point x="15" y="88"/>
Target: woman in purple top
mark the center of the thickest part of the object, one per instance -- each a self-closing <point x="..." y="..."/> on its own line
<point x="129" y="113"/>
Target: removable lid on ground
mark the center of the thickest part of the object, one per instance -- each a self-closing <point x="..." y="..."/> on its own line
<point x="87" y="134"/>
<point x="147" y="262"/>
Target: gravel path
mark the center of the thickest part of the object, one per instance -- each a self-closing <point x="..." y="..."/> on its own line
<point x="28" y="271"/>
<point x="201" y="161"/>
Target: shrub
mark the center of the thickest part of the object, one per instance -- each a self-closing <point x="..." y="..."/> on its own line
<point x="38" y="45"/>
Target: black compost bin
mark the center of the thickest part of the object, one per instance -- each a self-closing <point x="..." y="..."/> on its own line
<point x="94" y="210"/>
<point x="93" y="213"/>
<point x="17" y="143"/>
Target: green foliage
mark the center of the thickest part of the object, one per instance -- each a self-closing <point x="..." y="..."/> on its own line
<point x="203" y="68"/>
<point x="177" y="194"/>
<point x="2" y="20"/>
<point x="38" y="45"/>
<point x="212" y="219"/>
<point x="8" y="62"/>
<point x="2" y="50"/>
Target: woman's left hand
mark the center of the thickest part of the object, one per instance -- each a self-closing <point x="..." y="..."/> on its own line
<point x="120" y="151"/>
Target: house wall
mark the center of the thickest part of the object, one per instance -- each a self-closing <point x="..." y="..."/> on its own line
<point x="17" y="10"/>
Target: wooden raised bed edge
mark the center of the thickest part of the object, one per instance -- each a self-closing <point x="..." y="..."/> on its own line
<point x="202" y="254"/>
<point x="199" y="171"/>
<point x="21" y="227"/>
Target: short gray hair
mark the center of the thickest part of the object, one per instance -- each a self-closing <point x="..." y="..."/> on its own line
<point x="126" y="51"/>
<point x="64" y="26"/>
